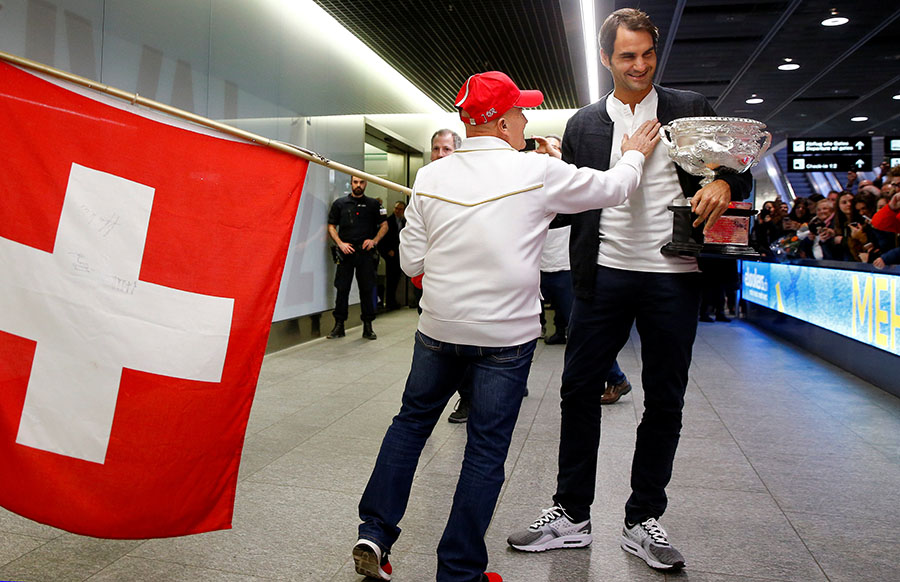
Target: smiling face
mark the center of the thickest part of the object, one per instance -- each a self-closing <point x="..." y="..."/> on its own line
<point x="632" y="64"/>
<point x="824" y="209"/>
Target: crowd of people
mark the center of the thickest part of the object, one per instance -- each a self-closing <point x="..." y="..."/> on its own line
<point x="859" y="223"/>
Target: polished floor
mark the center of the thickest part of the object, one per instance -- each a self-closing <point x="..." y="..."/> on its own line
<point x="788" y="470"/>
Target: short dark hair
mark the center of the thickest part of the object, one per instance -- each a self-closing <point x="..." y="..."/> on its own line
<point x="554" y="136"/>
<point x="457" y="141"/>
<point x="632" y="19"/>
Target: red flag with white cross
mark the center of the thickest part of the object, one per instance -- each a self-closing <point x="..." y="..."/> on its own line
<point x="140" y="264"/>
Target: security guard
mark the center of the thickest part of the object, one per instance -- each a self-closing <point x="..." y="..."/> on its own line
<point x="356" y="223"/>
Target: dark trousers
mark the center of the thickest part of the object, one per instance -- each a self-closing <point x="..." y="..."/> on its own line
<point x="556" y="287"/>
<point x="664" y="308"/>
<point x="363" y="263"/>
<point x="392" y="275"/>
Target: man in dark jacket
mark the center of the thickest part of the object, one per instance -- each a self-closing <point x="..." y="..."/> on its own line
<point x="390" y="250"/>
<point x="620" y="279"/>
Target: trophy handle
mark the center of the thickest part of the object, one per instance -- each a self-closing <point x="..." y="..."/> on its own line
<point x="664" y="138"/>
<point x="765" y="146"/>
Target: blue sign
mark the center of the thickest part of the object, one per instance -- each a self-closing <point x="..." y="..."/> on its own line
<point x="860" y="305"/>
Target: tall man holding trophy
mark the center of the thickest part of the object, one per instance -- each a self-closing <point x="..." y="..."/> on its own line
<point x="621" y="278"/>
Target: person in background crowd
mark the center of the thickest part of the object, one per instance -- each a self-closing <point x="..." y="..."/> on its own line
<point x="443" y="143"/>
<point x="800" y="213"/>
<point x="855" y="233"/>
<point x="851" y="180"/>
<point x="769" y="227"/>
<point x="556" y="285"/>
<point x="883" y="169"/>
<point x="476" y="222"/>
<point x="621" y="279"/>
<point x="888" y="220"/>
<point x="716" y="275"/>
<point x="865" y="206"/>
<point x="821" y="242"/>
<point x="356" y="224"/>
<point x="390" y="250"/>
<point x="556" y="275"/>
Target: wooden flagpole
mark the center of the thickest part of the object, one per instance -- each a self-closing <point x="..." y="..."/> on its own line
<point x="136" y="99"/>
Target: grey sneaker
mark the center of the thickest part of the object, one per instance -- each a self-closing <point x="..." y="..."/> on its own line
<point x="649" y="542"/>
<point x="552" y="530"/>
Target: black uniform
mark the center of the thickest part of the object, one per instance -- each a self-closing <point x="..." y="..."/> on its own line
<point x="357" y="220"/>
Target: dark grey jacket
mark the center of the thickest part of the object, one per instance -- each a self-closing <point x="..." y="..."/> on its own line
<point x="588" y="142"/>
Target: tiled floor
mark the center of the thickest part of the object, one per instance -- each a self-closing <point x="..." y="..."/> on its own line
<point x="788" y="470"/>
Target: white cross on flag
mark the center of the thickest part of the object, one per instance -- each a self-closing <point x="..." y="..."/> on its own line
<point x="140" y="265"/>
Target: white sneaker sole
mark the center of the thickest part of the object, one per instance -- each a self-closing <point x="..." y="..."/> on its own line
<point x="570" y="541"/>
<point x="367" y="563"/>
<point x="639" y="551"/>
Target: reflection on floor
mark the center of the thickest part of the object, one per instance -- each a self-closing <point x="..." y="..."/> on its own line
<point x="788" y="470"/>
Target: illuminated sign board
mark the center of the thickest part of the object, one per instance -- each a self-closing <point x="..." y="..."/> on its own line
<point x="860" y="305"/>
<point x="830" y="154"/>
<point x="892" y="149"/>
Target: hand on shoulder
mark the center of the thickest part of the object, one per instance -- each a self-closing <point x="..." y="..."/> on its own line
<point x="644" y="138"/>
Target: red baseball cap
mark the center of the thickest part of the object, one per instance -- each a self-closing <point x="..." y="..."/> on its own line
<point x="486" y="95"/>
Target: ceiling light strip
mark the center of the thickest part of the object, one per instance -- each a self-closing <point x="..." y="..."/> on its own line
<point x="862" y="41"/>
<point x="758" y="51"/>
<point x="670" y="39"/>
<point x="591" y="63"/>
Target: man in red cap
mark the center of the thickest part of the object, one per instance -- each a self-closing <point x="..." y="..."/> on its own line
<point x="475" y="226"/>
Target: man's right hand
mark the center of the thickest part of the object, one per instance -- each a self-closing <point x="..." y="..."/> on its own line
<point x="346" y="248"/>
<point x="644" y="139"/>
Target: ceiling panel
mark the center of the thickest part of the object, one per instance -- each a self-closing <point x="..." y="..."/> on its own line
<point x="727" y="49"/>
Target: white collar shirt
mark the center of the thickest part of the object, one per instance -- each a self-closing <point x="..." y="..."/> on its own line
<point x="633" y="233"/>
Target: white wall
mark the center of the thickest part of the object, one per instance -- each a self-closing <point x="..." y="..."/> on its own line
<point x="274" y="67"/>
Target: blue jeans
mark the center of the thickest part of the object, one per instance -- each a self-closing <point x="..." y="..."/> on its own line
<point x="664" y="307"/>
<point x="616" y="375"/>
<point x="497" y="377"/>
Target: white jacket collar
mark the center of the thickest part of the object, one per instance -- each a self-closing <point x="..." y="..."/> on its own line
<point x="484" y="142"/>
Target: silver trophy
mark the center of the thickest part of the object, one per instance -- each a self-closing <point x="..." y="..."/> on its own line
<point x="701" y="145"/>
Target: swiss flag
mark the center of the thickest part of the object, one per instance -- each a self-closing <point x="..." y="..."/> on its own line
<point x="140" y="265"/>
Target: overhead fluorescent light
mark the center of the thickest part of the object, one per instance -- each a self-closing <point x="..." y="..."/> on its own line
<point x="835" y="20"/>
<point x="589" y="32"/>
<point x="859" y="118"/>
<point x="308" y="15"/>
<point x="754" y="100"/>
<point x="788" y="65"/>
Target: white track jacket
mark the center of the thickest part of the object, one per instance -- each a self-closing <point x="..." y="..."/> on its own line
<point x="476" y="224"/>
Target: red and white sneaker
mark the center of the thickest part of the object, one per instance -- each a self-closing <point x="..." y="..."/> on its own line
<point x="491" y="577"/>
<point x="370" y="561"/>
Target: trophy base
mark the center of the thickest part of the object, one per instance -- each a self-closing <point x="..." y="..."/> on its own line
<point x="730" y="250"/>
<point x="691" y="249"/>
<point x="681" y="249"/>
